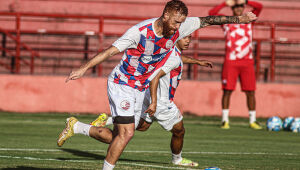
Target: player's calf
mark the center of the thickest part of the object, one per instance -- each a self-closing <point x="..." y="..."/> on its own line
<point x="101" y="134"/>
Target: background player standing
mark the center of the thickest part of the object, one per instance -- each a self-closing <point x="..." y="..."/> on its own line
<point x="238" y="60"/>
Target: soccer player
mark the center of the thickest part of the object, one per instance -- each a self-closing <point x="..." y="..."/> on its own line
<point x="162" y="108"/>
<point x="167" y="114"/>
<point x="145" y="46"/>
<point x="238" y="60"/>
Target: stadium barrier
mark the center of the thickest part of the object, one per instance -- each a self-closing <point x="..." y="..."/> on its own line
<point x="102" y="29"/>
<point x="21" y="93"/>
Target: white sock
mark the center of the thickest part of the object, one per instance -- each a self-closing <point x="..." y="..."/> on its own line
<point x="176" y="158"/>
<point x="252" y="116"/>
<point x="82" y="128"/>
<point x="109" y="121"/>
<point x="107" y="166"/>
<point x="225" y="113"/>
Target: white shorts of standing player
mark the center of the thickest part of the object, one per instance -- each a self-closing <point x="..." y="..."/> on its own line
<point x="167" y="114"/>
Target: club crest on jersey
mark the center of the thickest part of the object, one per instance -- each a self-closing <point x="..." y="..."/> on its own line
<point x="169" y="44"/>
<point x="147" y="59"/>
<point x="125" y="105"/>
<point x="149" y="46"/>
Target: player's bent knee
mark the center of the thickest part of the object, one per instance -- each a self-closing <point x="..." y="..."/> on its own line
<point x="178" y="132"/>
<point x="129" y="133"/>
<point x="126" y="135"/>
<point x="126" y="131"/>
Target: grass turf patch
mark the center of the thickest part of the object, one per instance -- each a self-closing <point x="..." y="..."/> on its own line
<point x="28" y="141"/>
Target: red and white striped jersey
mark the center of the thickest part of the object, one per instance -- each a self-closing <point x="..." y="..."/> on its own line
<point x="168" y="83"/>
<point x="238" y="36"/>
<point x="145" y="52"/>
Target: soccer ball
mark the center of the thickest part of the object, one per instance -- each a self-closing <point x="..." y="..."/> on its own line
<point x="295" y="126"/>
<point x="287" y="123"/>
<point x="213" y="168"/>
<point x="274" y="123"/>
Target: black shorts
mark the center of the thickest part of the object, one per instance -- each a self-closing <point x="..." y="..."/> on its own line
<point x="123" y="119"/>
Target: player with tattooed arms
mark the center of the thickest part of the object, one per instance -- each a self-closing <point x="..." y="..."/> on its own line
<point x="163" y="109"/>
<point x="145" y="46"/>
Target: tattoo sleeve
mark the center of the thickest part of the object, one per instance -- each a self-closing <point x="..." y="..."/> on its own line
<point x="219" y="20"/>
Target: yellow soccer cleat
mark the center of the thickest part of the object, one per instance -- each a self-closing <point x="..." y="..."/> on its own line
<point x="225" y="125"/>
<point x="67" y="132"/>
<point x="100" y="121"/>
<point x="186" y="162"/>
<point x="255" y="125"/>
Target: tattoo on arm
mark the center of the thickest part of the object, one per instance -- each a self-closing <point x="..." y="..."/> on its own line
<point x="219" y="20"/>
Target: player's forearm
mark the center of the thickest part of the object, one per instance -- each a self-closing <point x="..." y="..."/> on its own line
<point x="257" y="7"/>
<point x="219" y="20"/>
<point x="153" y="90"/>
<point x="154" y="85"/>
<point x="100" y="57"/>
<point x="217" y="9"/>
<point x="189" y="60"/>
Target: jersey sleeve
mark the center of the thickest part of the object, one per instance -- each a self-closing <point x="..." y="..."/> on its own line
<point x="257" y="7"/>
<point x="172" y="63"/>
<point x="217" y="9"/>
<point x="190" y="25"/>
<point x="128" y="40"/>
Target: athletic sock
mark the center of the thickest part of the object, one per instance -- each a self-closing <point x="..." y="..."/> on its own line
<point x="109" y="121"/>
<point x="176" y="158"/>
<point x="82" y="128"/>
<point x="225" y="113"/>
<point x="107" y="166"/>
<point x="252" y="116"/>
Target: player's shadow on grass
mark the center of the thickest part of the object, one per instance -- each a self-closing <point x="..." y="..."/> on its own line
<point x="99" y="157"/>
<point x="33" y="168"/>
<point x="81" y="154"/>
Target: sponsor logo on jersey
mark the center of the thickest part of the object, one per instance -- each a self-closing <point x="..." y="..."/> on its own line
<point x="147" y="58"/>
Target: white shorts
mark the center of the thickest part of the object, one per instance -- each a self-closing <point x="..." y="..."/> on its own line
<point x="167" y="114"/>
<point x="125" y="100"/>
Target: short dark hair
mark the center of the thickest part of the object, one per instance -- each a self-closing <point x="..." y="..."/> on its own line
<point x="176" y="5"/>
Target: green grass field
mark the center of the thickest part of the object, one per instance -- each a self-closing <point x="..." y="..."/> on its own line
<point x="28" y="141"/>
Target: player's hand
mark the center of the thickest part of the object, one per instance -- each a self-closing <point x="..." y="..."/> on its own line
<point x="151" y="109"/>
<point x="240" y="2"/>
<point x="205" y="63"/>
<point x="247" y="18"/>
<point x="75" y="74"/>
<point x="230" y="3"/>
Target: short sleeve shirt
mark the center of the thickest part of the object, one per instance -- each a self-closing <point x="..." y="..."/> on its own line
<point x="145" y="52"/>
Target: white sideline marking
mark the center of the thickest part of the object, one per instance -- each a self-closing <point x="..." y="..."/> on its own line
<point x="122" y="163"/>
<point x="210" y="153"/>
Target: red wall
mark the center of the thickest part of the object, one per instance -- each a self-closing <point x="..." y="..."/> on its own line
<point x="279" y="11"/>
<point x="46" y="93"/>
